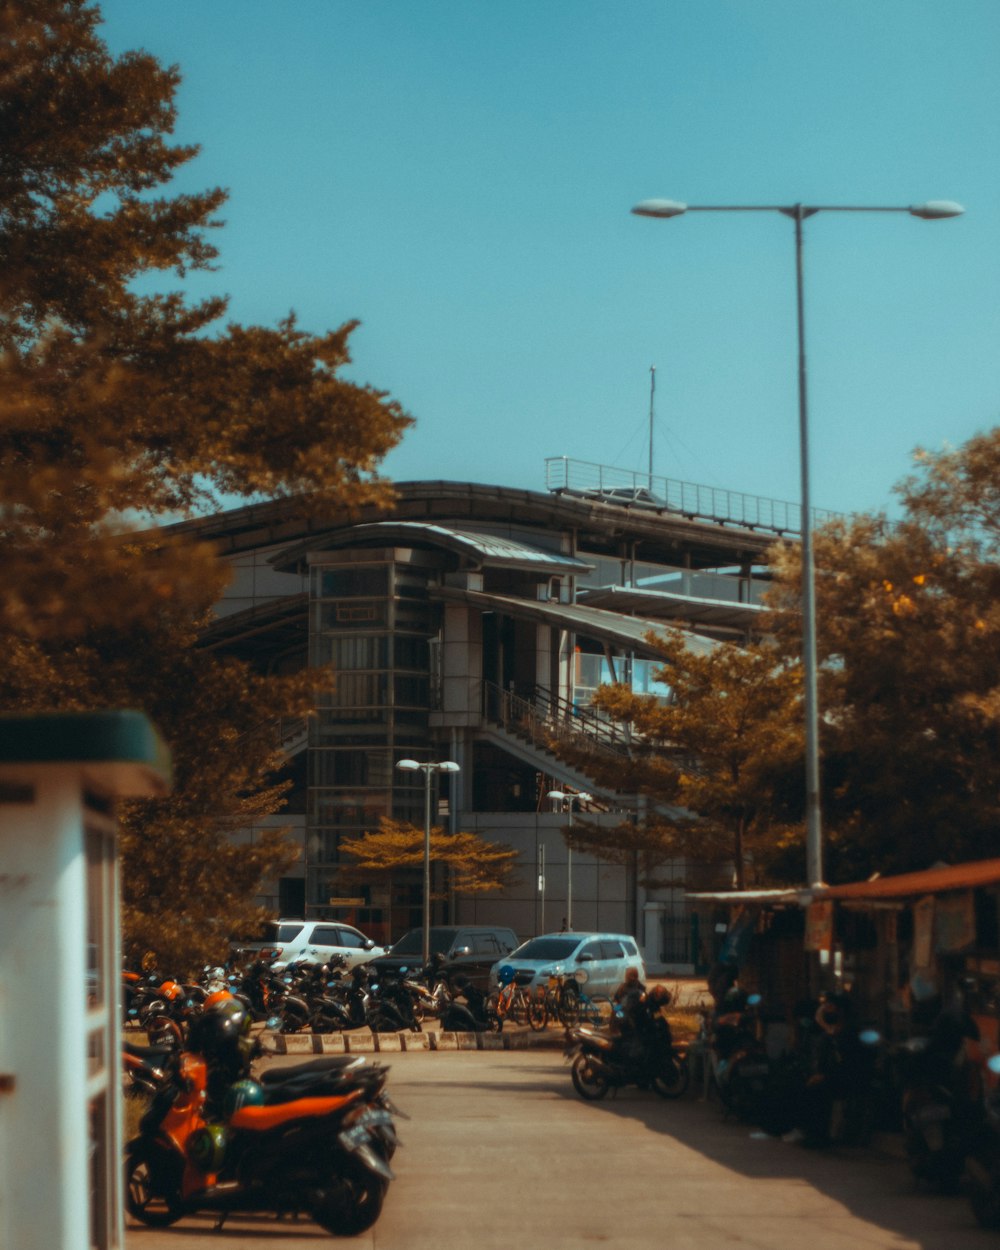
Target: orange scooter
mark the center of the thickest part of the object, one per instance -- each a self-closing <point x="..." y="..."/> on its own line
<point x="314" y="1138"/>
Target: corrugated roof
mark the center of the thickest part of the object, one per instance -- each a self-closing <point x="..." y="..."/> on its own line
<point x="628" y="631"/>
<point x="659" y="603"/>
<point x="478" y="549"/>
<point x="930" y="881"/>
<point x="939" y="880"/>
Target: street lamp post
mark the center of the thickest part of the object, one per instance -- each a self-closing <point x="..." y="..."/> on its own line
<point x="932" y="210"/>
<point x="428" y="769"/>
<point x="566" y="801"/>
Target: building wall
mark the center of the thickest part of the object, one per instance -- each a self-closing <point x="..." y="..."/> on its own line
<point x="602" y="897"/>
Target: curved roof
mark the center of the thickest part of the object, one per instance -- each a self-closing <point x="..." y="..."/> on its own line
<point x="661" y="537"/>
<point x="478" y="549"/>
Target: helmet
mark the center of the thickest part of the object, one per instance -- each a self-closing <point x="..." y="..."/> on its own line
<point x="659" y="996"/>
<point x="217" y="1032"/>
<point x="245" y="1093"/>
<point x="506" y="974"/>
<point x="217" y="997"/>
<point x="206" y="1147"/>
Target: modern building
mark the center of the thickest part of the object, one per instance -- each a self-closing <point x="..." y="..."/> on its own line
<point x="466" y="623"/>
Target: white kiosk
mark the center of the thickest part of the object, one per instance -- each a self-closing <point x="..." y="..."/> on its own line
<point x="60" y="969"/>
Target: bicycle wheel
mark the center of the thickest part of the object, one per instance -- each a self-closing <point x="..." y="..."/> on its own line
<point x="569" y="1003"/>
<point x="538" y="1012"/>
<point x="596" y="1011"/>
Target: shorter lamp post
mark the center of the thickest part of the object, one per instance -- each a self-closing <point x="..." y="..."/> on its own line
<point x="566" y="801"/>
<point x="428" y="769"/>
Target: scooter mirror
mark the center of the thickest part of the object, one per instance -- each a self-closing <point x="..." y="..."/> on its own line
<point x="870" y="1037"/>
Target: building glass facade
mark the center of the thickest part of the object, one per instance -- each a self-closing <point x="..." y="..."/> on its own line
<point x="371" y="620"/>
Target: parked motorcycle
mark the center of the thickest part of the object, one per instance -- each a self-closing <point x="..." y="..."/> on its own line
<point x="740" y="1063"/>
<point x="475" y="1014"/>
<point x="943" y="1109"/>
<point x="983" y="1161"/>
<point x="316" y="1137"/>
<point x="643" y="1053"/>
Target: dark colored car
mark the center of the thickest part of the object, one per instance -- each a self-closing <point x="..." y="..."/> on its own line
<point x="468" y="949"/>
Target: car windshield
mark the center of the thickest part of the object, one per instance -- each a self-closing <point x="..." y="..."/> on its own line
<point x="547" y="948"/>
<point x="412" y="943"/>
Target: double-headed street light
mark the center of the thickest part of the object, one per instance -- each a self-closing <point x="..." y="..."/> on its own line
<point x="565" y="802"/>
<point x="428" y="769"/>
<point x="933" y="210"/>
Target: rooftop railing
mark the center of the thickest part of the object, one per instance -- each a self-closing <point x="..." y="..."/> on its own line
<point x="687" y="499"/>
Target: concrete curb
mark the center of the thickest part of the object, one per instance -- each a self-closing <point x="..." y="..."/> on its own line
<point x="362" y="1042"/>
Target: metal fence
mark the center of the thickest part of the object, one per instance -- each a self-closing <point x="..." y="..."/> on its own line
<point x="710" y="503"/>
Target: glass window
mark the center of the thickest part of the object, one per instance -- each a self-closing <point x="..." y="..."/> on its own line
<point x="547" y="948"/>
<point x="593" y="949"/>
<point x="358" y="690"/>
<point x="325" y="935"/>
<point x="410" y="652"/>
<point x="412" y="690"/>
<point x="351" y="939"/>
<point x="611" y="950"/>
<point x="354" y="583"/>
<point x="353" y="653"/>
<point x="346" y="767"/>
<point x="353" y="614"/>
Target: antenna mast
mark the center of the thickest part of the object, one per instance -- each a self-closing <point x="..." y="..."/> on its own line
<point x="652" y="396"/>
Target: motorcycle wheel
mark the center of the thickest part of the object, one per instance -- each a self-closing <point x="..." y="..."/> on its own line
<point x="672" y="1082"/>
<point x="494" y="1024"/>
<point x="538" y="1015"/>
<point x="984" y="1195"/>
<point x="152" y="1184"/>
<point x="588" y="1083"/>
<point x="350" y="1202"/>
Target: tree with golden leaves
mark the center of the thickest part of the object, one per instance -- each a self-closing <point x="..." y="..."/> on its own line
<point x="711" y="760"/>
<point x="122" y="404"/>
<point x="396" y="849"/>
<point x="908" y="622"/>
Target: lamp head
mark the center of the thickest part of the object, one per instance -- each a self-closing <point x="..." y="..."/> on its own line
<point x="408" y="766"/>
<point x="936" y="210"/>
<point x="659" y="208"/>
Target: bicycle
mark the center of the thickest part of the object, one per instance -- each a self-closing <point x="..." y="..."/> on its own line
<point x="512" y="1000"/>
<point x="564" y="999"/>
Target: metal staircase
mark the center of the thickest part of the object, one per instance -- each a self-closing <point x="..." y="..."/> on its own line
<point x="531" y="730"/>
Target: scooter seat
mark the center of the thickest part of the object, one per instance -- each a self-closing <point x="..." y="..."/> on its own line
<point x="329" y="1064"/>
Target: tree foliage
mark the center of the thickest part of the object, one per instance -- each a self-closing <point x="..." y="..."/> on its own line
<point x="116" y="399"/>
<point x="121" y="401"/>
<point x="908" y="620"/>
<point x="474" y="865"/>
<point x="710" y="761"/>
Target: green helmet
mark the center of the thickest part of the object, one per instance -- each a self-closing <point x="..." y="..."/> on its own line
<point x="206" y="1148"/>
<point x="245" y="1093"/>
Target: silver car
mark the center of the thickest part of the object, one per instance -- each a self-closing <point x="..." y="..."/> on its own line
<point x="598" y="960"/>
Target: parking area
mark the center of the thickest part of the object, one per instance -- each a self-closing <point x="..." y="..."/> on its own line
<point x="500" y="1152"/>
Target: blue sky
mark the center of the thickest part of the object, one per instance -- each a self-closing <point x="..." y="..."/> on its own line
<point x="458" y="175"/>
